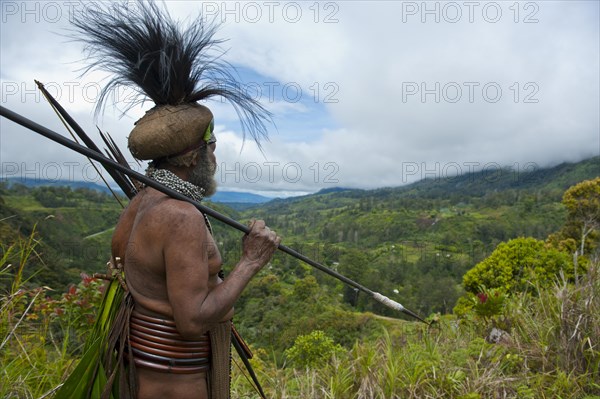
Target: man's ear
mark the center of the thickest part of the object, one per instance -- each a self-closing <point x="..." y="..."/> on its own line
<point x="189" y="159"/>
<point x="195" y="159"/>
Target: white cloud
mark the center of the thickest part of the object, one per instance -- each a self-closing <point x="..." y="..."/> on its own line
<point x="386" y="69"/>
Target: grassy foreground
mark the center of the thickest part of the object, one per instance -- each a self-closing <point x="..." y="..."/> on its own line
<point x="550" y="348"/>
<point x="547" y="345"/>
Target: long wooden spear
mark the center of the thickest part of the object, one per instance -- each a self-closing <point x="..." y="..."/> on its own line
<point x="109" y="163"/>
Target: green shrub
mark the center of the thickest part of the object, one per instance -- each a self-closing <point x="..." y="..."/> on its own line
<point x="312" y="350"/>
<point x="518" y="265"/>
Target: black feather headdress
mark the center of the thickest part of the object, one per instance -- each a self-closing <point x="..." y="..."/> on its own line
<point x="161" y="60"/>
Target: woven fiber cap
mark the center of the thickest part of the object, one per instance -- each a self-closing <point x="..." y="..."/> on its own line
<point x="168" y="130"/>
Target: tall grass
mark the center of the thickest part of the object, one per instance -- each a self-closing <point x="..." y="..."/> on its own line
<point x="551" y="349"/>
<point x="39" y="335"/>
<point x="25" y="371"/>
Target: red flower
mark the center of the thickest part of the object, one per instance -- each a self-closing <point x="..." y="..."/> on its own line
<point x="86" y="279"/>
<point x="482" y="297"/>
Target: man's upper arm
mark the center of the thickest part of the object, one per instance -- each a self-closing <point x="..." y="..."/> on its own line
<point x="186" y="264"/>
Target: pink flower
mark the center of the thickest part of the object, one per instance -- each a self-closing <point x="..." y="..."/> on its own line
<point x="482" y="297"/>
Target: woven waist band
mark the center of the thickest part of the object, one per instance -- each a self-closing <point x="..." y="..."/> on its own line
<point x="156" y="345"/>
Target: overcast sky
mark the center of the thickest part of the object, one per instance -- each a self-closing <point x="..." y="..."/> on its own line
<point x="365" y="94"/>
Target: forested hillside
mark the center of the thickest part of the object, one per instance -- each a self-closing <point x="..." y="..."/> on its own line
<point x="404" y="239"/>
<point x="73" y="227"/>
<point x="428" y="234"/>
<point x="316" y="338"/>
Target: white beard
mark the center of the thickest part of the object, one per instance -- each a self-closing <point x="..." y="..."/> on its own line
<point x="203" y="175"/>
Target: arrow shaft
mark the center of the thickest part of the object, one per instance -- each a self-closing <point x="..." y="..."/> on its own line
<point x="121" y="182"/>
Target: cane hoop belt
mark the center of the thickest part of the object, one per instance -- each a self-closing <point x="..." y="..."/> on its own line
<point x="156" y="345"/>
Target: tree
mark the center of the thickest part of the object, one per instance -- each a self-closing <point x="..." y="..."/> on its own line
<point x="517" y="265"/>
<point x="313" y="350"/>
<point x="306" y="289"/>
<point x="581" y="231"/>
<point x="354" y="265"/>
<point x="583" y="206"/>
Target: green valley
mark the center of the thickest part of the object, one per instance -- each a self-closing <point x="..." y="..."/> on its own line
<point x="315" y="337"/>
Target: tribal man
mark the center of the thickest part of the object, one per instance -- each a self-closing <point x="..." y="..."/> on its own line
<point x="177" y="334"/>
<point x="172" y="266"/>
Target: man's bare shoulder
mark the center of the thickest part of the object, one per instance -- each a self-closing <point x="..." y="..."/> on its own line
<point x="172" y="212"/>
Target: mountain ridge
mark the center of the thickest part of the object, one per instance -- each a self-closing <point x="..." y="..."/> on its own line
<point x="558" y="178"/>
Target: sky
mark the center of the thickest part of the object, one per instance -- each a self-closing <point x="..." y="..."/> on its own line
<point x="365" y="94"/>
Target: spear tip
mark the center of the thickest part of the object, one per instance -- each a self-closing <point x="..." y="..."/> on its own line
<point x="413" y="314"/>
<point x="396" y="306"/>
